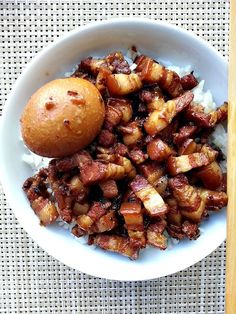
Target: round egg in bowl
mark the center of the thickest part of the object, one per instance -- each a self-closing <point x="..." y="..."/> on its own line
<point x="169" y="45"/>
<point x="62" y="117"/>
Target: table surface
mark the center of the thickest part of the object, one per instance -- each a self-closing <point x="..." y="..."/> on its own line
<point x="30" y="280"/>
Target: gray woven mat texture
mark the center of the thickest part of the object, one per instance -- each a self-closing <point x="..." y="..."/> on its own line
<point x="30" y="280"/>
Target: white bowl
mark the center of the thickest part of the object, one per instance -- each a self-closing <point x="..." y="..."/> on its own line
<point x="157" y="39"/>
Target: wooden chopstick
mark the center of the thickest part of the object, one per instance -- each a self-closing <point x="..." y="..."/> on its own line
<point x="231" y="164"/>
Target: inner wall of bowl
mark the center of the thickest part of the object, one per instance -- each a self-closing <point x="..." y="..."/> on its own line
<point x="157" y="41"/>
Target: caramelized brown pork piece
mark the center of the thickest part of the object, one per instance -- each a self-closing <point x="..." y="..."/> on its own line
<point x="97" y="210"/>
<point x="117" y="149"/>
<point x="111" y="166"/>
<point x="101" y="79"/>
<point x="98" y="219"/>
<point x="120" y="149"/>
<point x="155" y="236"/>
<point x="197" y="114"/>
<point x="123" y="84"/>
<point x="68" y="163"/>
<point x="132" y="133"/>
<point x="154" y="99"/>
<point x="175" y="232"/>
<point x="214" y="199"/>
<point x="174" y="216"/>
<point x="137" y="156"/>
<point x="124" y="106"/>
<point x="151" y="199"/>
<point x="210" y="175"/>
<point x="189" y="81"/>
<point x="130" y="197"/>
<point x="162" y="186"/>
<point x="68" y="189"/>
<point x="210" y="200"/>
<point x="166" y="134"/>
<point x="96" y="171"/>
<point x="117" y="63"/>
<point x="191" y="230"/>
<point x="93" y="65"/>
<point x="187" y="229"/>
<point x="152" y="171"/>
<point x="152" y="72"/>
<point x="188" y="147"/>
<point x="160" y="118"/>
<point x="114" y="62"/>
<point x="106" y="223"/>
<point x="36" y="191"/>
<point x="129" y="169"/>
<point x="187" y="196"/>
<point x="109" y="188"/>
<point x="80" y="209"/>
<point x="155" y="175"/>
<point x="196" y="215"/>
<point x="82" y="157"/>
<point x="116" y="244"/>
<point x="77" y="232"/>
<point x="185" y="163"/>
<point x="158" y="150"/>
<point x="113" y="117"/>
<point x="133" y="216"/>
<point x="185" y="132"/>
<point x="106" y="138"/>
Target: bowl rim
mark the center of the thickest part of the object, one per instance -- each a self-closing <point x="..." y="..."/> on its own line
<point x="9" y="102"/>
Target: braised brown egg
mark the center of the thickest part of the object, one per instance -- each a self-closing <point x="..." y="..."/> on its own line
<point x="62" y="117"/>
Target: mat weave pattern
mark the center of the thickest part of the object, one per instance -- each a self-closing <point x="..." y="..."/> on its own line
<point x="30" y="280"/>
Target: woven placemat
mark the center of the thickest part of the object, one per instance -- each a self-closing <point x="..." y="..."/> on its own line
<point x="30" y="280"/>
